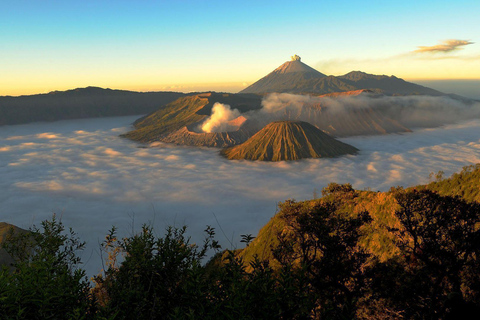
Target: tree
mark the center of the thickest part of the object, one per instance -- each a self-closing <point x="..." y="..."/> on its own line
<point x="158" y="278"/>
<point x="440" y="243"/>
<point x="46" y="281"/>
<point x="321" y="246"/>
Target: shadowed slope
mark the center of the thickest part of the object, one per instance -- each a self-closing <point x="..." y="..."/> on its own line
<point x="90" y="102"/>
<point x="389" y="85"/>
<point x="288" y="140"/>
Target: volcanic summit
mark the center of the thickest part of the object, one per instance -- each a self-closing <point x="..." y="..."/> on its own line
<point x="290" y="73"/>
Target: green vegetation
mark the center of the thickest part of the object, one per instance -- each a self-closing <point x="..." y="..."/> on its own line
<point x="402" y="254"/>
<point x="46" y="282"/>
<point x="464" y="184"/>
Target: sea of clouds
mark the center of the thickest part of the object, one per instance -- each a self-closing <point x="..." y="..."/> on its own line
<point x="93" y="179"/>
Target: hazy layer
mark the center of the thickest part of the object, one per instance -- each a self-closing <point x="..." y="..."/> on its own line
<point x="466" y="88"/>
<point x="94" y="179"/>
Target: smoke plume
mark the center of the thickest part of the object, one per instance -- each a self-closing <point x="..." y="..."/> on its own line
<point x="218" y="121"/>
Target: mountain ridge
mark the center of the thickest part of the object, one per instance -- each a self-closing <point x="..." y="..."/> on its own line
<point x="303" y="79"/>
<point x="88" y="102"/>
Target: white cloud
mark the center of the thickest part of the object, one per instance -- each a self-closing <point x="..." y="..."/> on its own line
<point x="444" y="46"/>
<point x="96" y="179"/>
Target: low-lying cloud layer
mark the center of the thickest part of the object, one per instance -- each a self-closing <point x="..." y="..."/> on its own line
<point x="445" y="46"/>
<point x="85" y="172"/>
<point x="410" y="111"/>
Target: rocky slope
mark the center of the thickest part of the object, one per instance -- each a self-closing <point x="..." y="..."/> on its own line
<point x="288" y="140"/>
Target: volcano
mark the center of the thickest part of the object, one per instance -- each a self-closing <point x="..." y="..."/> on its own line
<point x="291" y="73"/>
<point x="288" y="140"/>
<point x="296" y="77"/>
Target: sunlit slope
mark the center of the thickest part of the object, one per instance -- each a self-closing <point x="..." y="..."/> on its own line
<point x="289" y="140"/>
<point x="465" y="184"/>
<point x="90" y="102"/>
<point x="186" y="111"/>
<point x="381" y="206"/>
<point x="173" y="116"/>
<point x="375" y="236"/>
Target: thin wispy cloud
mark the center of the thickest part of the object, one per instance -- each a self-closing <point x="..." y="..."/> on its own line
<point x="446" y="46"/>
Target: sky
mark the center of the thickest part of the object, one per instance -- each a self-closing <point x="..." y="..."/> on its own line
<point x="93" y="179"/>
<point x="188" y="45"/>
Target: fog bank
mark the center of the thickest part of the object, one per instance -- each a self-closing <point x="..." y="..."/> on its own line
<point x="83" y="171"/>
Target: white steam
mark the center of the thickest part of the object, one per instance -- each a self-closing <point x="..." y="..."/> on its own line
<point x="218" y="121"/>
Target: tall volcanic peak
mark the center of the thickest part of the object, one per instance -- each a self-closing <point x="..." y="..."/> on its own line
<point x="288" y="140"/>
<point x="296" y="65"/>
<point x="296" y="77"/>
<point x="285" y="78"/>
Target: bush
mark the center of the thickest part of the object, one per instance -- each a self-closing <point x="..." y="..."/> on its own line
<point x="46" y="281"/>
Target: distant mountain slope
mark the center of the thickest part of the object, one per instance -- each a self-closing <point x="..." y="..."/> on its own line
<point x="78" y="103"/>
<point x="389" y="85"/>
<point x="185" y="112"/>
<point x="351" y="121"/>
<point x="288" y="140"/>
<point x="297" y="77"/>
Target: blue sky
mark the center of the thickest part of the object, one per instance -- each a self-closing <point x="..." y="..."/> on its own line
<point x="190" y="45"/>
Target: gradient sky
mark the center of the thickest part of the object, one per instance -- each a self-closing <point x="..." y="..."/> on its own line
<point x="224" y="45"/>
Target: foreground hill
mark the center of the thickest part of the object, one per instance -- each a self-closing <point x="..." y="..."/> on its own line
<point x="90" y="102"/>
<point x="288" y="140"/>
<point x="296" y="77"/>
<point x="376" y="238"/>
<point x="5" y="230"/>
